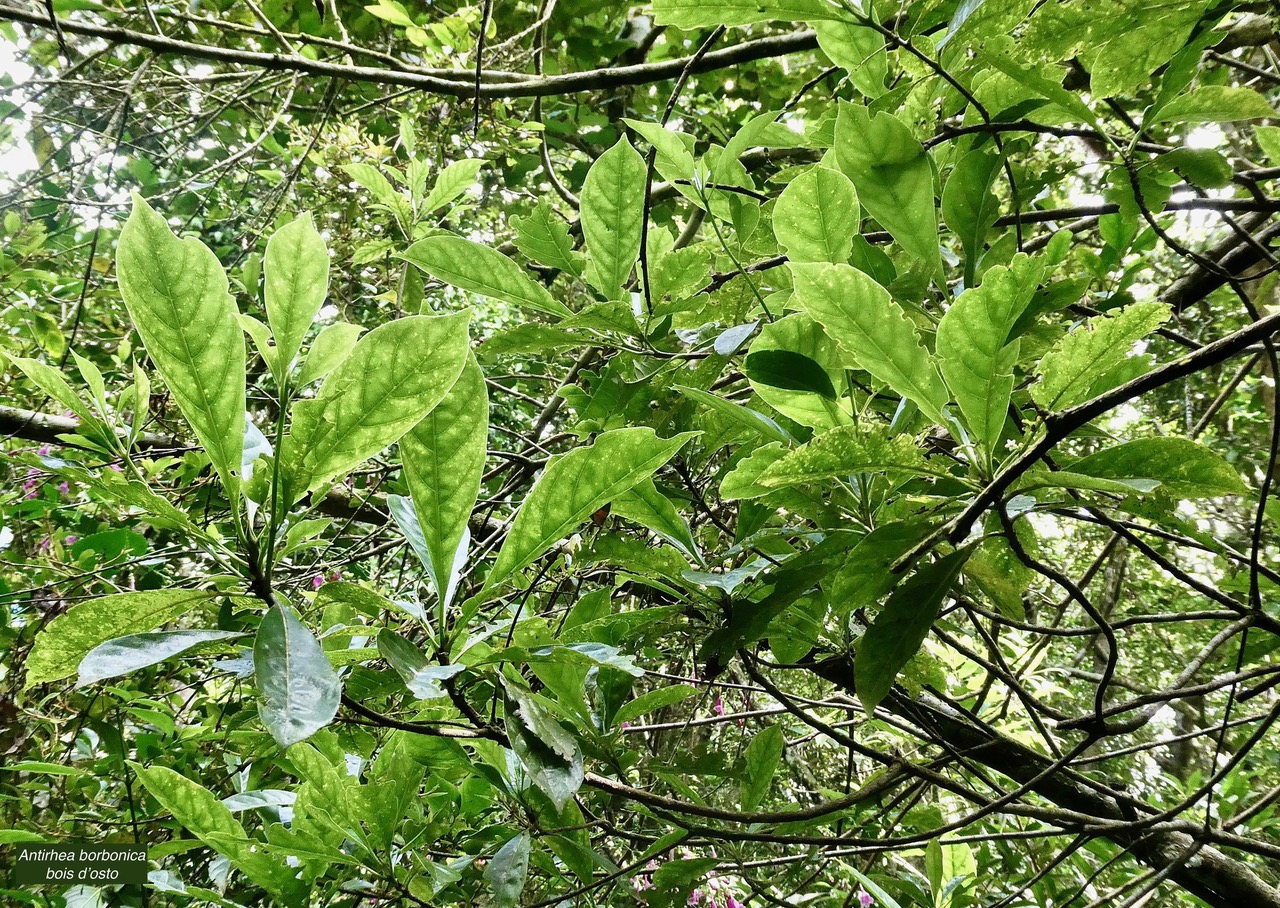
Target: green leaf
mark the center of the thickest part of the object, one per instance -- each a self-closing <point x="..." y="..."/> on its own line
<point x="743" y="481"/>
<point x="612" y="208"/>
<point x="394" y="376"/>
<point x="443" y="458"/>
<point x="208" y="819"/>
<point x="508" y="870"/>
<point x="332" y="345"/>
<point x="451" y="182"/>
<point x="176" y="293"/>
<point x="549" y="753"/>
<point x="50" y="381"/>
<point x="1182" y="467"/>
<point x="816" y="217"/>
<point x="760" y="765"/>
<point x="577" y="484"/>
<point x="1076" y="361"/>
<point x="893" y="176"/>
<point x="653" y="701"/>
<point x="858" y="49"/>
<point x="871" y="327"/>
<point x="295" y="285"/>
<point x="649" y="508"/>
<point x="300" y="690"/>
<point x="423" y="678"/>
<point x="1216" y="104"/>
<point x="801" y="335"/>
<point x="689" y="14"/>
<point x="900" y="628"/>
<point x="789" y="371"/>
<point x="479" y="269"/>
<point x="1203" y="166"/>
<point x="737" y="413"/>
<point x="864" y="576"/>
<point x="1269" y="141"/>
<point x="134" y="651"/>
<point x="675" y="149"/>
<point x="974" y="351"/>
<point x="544" y="237"/>
<point x="843" y="451"/>
<point x="969" y="207"/>
<point x="66" y="640"/>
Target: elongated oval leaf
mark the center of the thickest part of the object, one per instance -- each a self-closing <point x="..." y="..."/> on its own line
<point x="869" y="326"/>
<point x="574" y="486"/>
<point x="899" y="630"/>
<point x="443" y="458"/>
<point x="699" y="13"/>
<point x="394" y="376"/>
<point x="1086" y="354"/>
<point x="332" y="345"/>
<point x="612" y="205"/>
<point x="176" y="293"/>
<point x="761" y="760"/>
<point x="300" y="690"/>
<point x="816" y="216"/>
<point x="296" y="282"/>
<point x="508" y="870"/>
<point x="134" y="651"/>
<point x="789" y="371"/>
<point x="1182" y="467"/>
<point x="479" y="269"/>
<point x="67" y="639"/>
<point x="843" y="451"/>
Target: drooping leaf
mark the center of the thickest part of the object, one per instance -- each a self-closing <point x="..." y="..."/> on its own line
<point x="1216" y="104"/>
<point x="134" y="651"/>
<point x="816" y="217"/>
<point x="296" y="280"/>
<point x="699" y="13"/>
<point x="789" y="371"/>
<point x="394" y="376"/>
<point x="891" y="171"/>
<point x="211" y="821"/>
<point x="577" y="484"/>
<point x="760" y="762"/>
<point x="872" y="328"/>
<point x="299" y="687"/>
<point x="900" y="628"/>
<point x="1182" y="467"/>
<point x="864" y="576"/>
<point x="843" y="451"/>
<point x="612" y="204"/>
<point x="737" y="413"/>
<point x="176" y="293"/>
<point x="975" y="354"/>
<point x="1086" y="354"/>
<point x="422" y="677"/>
<point x="478" y="269"/>
<point x="508" y="870"/>
<point x="549" y="753"/>
<point x="969" y="207"/>
<point x="645" y="505"/>
<point x="66" y="640"/>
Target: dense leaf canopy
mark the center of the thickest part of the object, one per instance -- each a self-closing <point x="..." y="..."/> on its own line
<point x="710" y="452"/>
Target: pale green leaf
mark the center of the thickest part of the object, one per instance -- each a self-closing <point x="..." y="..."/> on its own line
<point x="478" y="269"/>
<point x="843" y="451"/>
<point x="331" y="346"/>
<point x="816" y="217"/>
<point x="1084" y="355"/>
<point x="689" y="14"/>
<point x="858" y="49"/>
<point x="802" y="335"/>
<point x="649" y="508"/>
<point x="134" y="651"/>
<point x="544" y="237"/>
<point x="612" y="208"/>
<point x="451" y="182"/>
<point x="299" y="687"/>
<point x="1216" y="104"/>
<point x="296" y="281"/>
<point x="1183" y="468"/>
<point x="760" y="764"/>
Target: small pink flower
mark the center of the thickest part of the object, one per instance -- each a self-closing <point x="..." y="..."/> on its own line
<point x="625" y="725"/>
<point x="317" y="581"/>
<point x="116" y="467"/>
<point x="64" y="488"/>
<point x="44" y="450"/>
<point x="864" y="899"/>
<point x="695" y="897"/>
<point x="71" y="540"/>
<point x="718" y="707"/>
<point x="731" y="902"/>
<point x="44" y="545"/>
<point x="335" y="576"/>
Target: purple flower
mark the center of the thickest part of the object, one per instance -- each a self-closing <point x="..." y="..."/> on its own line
<point x="317" y="581"/>
<point x="718" y="707"/>
<point x="695" y="897"/>
<point x="864" y="899"/>
<point x="44" y="450"/>
<point x="71" y="540"/>
<point x="64" y="488"/>
<point x="731" y="902"/>
<point x="44" y="545"/>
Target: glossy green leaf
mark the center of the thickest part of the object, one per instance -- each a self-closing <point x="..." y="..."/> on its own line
<point x="800" y="334"/>
<point x="176" y="293"/>
<point x="612" y="205"/>
<point x="743" y="481"/>
<point x="577" y="484"/>
<point x="864" y="576"/>
<point x="508" y="870"/>
<point x="394" y="376"/>
<point x="296" y="281"/>
<point x="645" y="505"/>
<point x="1216" y="104"/>
<point x="1084" y="355"/>
<point x="422" y="677"/>
<point x="211" y="821"/>
<point x="872" y="328"/>
<point x="975" y="354"/>
<point x="1182" y="467"/>
<point x="67" y="639"/>
<point x="544" y="237"/>
<point x="549" y="753"/>
<point x="844" y="451"/>
<point x="332" y="345"/>
<point x="893" y="176"/>
<point x="478" y="269"/>
<point x="900" y="628"/>
<point x="134" y="651"/>
<point x="299" y="687"/>
<point x="443" y="459"/>
<point x="706" y="13"/>
<point x="760" y="765"/>
<point x="816" y="217"/>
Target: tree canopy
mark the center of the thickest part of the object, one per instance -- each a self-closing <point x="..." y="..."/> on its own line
<point x="705" y="452"/>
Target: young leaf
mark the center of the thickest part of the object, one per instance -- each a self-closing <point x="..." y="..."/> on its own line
<point x="969" y="207"/>
<point x="689" y="14"/>
<point x="176" y="293"/>
<point x="858" y="49"/>
<point x="869" y="326"/>
<point x="443" y="457"/>
<point x="975" y="355"/>
<point x="394" y="376"/>
<point x="1182" y="467"/>
<point x="423" y="678"/>
<point x="893" y="176"/>
<point x="612" y="204"/>
<point x="331" y="346"/>
<point x="544" y="237"/>
<point x="843" y="451"/>
<point x="479" y="269"/>
<point x="406" y="518"/>
<point x="816" y="216"/>
<point x="648" y="507"/>
<point x="900" y="629"/>
<point x="66" y="640"/>
<point x="134" y="651"/>
<point x="760" y="765"/>
<point x="452" y="182"/>
<point x="508" y="870"/>
<point x="1216" y="104"/>
<point x="576" y="485"/>
<point x="1076" y="361"/>
<point x="211" y="821"/>
<point x="296" y="282"/>
<point x="300" y="690"/>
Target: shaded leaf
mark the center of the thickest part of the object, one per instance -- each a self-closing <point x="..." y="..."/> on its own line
<point x="134" y="651"/>
<point x="300" y="690"/>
